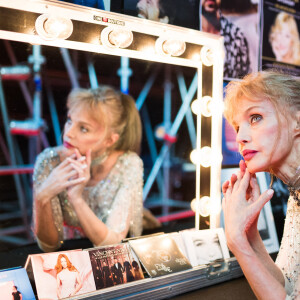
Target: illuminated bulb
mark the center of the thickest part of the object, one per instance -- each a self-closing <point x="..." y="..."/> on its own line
<point x="116" y="37"/>
<point x="52" y="27"/>
<point x="195" y="157"/>
<point x="170" y="47"/>
<point x="206" y="55"/>
<point x="204" y="206"/>
<point x="205" y="157"/>
<point x="206" y="106"/>
<point x="195" y="107"/>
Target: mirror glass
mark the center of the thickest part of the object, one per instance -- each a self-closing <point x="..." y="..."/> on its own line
<point x="174" y="186"/>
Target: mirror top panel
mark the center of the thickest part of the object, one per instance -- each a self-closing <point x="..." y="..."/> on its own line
<point x="99" y="31"/>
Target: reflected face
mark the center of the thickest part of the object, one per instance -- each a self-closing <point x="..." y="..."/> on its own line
<point x="263" y="141"/>
<point x="207" y="248"/>
<point x="83" y="132"/>
<point x="63" y="262"/>
<point x="282" y="42"/>
<point x="210" y="5"/>
<point x="14" y="289"/>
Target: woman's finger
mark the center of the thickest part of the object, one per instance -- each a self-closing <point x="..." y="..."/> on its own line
<point x="245" y="181"/>
<point x="225" y="187"/>
<point x="254" y="187"/>
<point x="262" y="200"/>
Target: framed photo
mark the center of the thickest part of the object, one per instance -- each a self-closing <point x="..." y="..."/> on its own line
<point x="266" y="225"/>
<point x="205" y="246"/>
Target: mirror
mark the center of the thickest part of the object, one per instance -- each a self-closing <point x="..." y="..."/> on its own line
<point x="163" y="85"/>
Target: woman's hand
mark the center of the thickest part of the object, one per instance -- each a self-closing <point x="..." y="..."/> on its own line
<point x="60" y="178"/>
<point x="81" y="165"/>
<point x="242" y="205"/>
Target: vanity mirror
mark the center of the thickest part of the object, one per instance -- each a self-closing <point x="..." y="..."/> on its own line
<point x="49" y="47"/>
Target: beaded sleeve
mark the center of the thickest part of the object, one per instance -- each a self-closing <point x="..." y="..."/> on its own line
<point x="46" y="161"/>
<point x="288" y="259"/>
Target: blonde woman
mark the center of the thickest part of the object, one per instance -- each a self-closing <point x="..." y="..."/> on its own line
<point x="91" y="186"/>
<point x="264" y="109"/>
<point x="284" y="39"/>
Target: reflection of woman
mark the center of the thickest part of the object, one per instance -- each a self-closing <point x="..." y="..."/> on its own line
<point x="284" y="39"/>
<point x="68" y="278"/>
<point x="16" y="295"/>
<point x="264" y="109"/>
<point x="99" y="191"/>
<point x="207" y="248"/>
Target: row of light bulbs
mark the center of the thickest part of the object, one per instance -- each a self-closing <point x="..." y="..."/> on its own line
<point x="51" y="27"/>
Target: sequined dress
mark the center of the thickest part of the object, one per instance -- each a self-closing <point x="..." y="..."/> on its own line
<point x="288" y="258"/>
<point x="116" y="200"/>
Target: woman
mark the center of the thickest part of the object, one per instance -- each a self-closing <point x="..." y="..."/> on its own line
<point x="264" y="109"/>
<point x="68" y="278"/>
<point x="91" y="185"/>
<point x="16" y="295"/>
<point x="284" y="39"/>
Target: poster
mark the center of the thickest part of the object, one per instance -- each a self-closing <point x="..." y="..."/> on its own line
<point x="174" y="12"/>
<point x="280" y="39"/>
<point x="238" y="23"/>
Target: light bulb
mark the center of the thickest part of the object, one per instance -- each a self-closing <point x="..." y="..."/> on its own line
<point x="195" y="107"/>
<point x="169" y="46"/>
<point x="51" y="27"/>
<point x="204" y="206"/>
<point x="116" y="37"/>
<point x="206" y="56"/>
<point x="206" y="104"/>
<point x="205" y="157"/>
<point x="195" y="157"/>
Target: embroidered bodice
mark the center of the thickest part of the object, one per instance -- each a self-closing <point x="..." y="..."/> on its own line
<point x="116" y="200"/>
<point x="288" y="258"/>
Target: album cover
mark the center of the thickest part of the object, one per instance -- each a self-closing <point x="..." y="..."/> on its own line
<point x="160" y="255"/>
<point x="113" y="265"/>
<point x="14" y="284"/>
<point x="205" y="246"/>
<point x="60" y="275"/>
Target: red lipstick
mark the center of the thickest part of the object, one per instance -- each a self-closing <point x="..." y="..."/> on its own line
<point x="248" y="154"/>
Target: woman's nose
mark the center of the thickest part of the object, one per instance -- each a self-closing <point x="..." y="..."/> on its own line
<point x="243" y="135"/>
<point x="69" y="131"/>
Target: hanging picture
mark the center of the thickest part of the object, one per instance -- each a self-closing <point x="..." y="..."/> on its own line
<point x="238" y="22"/>
<point x="280" y="39"/>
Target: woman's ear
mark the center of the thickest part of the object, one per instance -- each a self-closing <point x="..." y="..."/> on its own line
<point x="112" y="139"/>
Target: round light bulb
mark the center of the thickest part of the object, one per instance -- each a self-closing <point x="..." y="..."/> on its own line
<point x="195" y="157"/>
<point x="205" y="156"/>
<point x="196" y="107"/>
<point x="206" y="56"/>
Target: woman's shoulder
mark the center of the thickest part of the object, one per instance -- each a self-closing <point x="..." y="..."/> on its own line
<point x="130" y="157"/>
<point x="50" y="153"/>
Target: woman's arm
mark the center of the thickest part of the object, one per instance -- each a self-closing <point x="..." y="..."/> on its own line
<point x="241" y="216"/>
<point x="45" y="228"/>
<point x="58" y="287"/>
<point x="79" y="284"/>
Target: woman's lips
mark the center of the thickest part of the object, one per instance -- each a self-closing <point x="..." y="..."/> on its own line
<point x="67" y="145"/>
<point x="248" y="154"/>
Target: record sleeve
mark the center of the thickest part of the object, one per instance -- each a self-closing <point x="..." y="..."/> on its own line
<point x="113" y="265"/>
<point x="160" y="255"/>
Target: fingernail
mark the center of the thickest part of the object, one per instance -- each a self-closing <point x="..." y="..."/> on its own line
<point x="82" y="158"/>
<point x="270" y="192"/>
<point x="84" y="166"/>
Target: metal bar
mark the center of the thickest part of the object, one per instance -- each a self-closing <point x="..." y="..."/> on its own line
<point x="20" y="169"/>
<point x="19" y="188"/>
<point x="176" y="216"/>
<point x="12" y="230"/>
<point x="70" y="68"/>
<point x="92" y="73"/>
<point x="145" y="91"/>
<point x="189" y="115"/>
<point x="173" y="131"/>
<point x="124" y="72"/>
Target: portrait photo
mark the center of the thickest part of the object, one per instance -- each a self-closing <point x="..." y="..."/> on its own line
<point x="205" y="246"/>
<point x="62" y="274"/>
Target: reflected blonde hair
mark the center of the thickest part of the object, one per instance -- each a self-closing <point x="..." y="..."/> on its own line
<point x="115" y="111"/>
<point x="284" y="18"/>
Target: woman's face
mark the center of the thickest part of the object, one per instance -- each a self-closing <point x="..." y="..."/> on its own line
<point x="207" y="248"/>
<point x="83" y="131"/>
<point x="63" y="262"/>
<point x="263" y="141"/>
<point x="282" y="42"/>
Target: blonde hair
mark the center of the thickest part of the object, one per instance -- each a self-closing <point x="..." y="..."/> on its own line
<point x="281" y="89"/>
<point x="284" y="18"/>
<point x="115" y="110"/>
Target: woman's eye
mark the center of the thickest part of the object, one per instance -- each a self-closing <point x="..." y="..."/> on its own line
<point x="255" y="118"/>
<point x="83" y="129"/>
